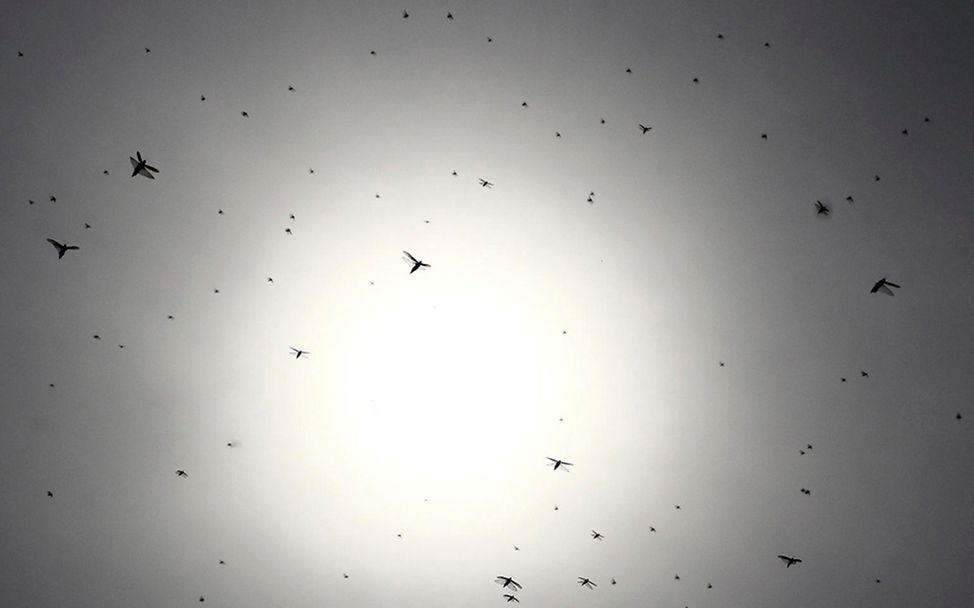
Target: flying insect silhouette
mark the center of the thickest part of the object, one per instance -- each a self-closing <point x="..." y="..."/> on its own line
<point x="62" y="248"/>
<point x="559" y="464"/>
<point x="507" y="581"/>
<point x="142" y="167"/>
<point x="417" y="264"/>
<point x="789" y="561"/>
<point x="883" y="286"/>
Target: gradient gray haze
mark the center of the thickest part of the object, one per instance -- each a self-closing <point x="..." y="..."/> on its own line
<point x="546" y="326"/>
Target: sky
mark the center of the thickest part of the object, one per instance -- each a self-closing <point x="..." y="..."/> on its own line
<point x="666" y="310"/>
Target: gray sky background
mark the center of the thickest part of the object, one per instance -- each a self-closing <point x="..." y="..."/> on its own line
<point x="430" y="401"/>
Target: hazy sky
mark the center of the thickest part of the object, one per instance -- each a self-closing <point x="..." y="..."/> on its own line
<point x="546" y="326"/>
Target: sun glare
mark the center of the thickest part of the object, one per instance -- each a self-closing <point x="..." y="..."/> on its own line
<point x="442" y="395"/>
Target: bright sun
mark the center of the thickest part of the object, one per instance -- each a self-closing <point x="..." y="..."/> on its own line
<point x="442" y="396"/>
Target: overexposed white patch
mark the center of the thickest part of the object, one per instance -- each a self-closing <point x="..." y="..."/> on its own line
<point x="443" y="397"/>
